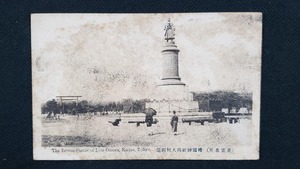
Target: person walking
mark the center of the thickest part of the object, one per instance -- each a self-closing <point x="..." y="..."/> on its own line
<point x="174" y="122"/>
<point x="150" y="112"/>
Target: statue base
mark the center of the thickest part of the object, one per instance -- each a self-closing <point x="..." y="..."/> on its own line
<point x="173" y="97"/>
<point x="166" y="107"/>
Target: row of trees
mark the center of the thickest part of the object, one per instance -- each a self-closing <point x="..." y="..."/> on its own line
<point x="215" y="101"/>
<point x="209" y="101"/>
<point x="128" y="106"/>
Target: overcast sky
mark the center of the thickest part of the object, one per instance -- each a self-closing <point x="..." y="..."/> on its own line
<point x="112" y="57"/>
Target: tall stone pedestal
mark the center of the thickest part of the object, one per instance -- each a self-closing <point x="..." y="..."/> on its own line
<point x="170" y="74"/>
<point x="171" y="93"/>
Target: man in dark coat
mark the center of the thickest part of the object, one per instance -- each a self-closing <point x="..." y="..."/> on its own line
<point x="149" y="116"/>
<point x="149" y="120"/>
<point x="174" y="122"/>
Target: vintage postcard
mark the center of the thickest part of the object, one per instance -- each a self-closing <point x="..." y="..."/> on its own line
<point x="146" y="86"/>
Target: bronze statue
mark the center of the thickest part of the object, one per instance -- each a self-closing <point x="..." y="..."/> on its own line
<point x="169" y="30"/>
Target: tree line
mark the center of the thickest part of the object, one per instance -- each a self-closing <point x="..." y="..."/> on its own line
<point x="207" y="101"/>
<point x="83" y="106"/>
<point x="215" y="101"/>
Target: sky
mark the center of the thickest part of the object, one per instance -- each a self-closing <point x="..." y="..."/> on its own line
<point x="110" y="57"/>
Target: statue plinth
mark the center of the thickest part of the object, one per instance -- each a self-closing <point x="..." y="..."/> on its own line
<point x="170" y="75"/>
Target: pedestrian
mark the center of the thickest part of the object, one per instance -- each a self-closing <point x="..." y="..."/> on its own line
<point x="150" y="112"/>
<point x="149" y="120"/>
<point x="174" y="122"/>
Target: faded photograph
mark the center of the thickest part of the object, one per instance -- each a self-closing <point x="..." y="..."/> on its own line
<point x="146" y="86"/>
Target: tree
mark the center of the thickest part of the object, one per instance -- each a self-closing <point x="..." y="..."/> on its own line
<point x="52" y="106"/>
<point x="82" y="106"/>
<point x="213" y="101"/>
<point x="70" y="108"/>
<point x="44" y="109"/>
<point x="119" y="106"/>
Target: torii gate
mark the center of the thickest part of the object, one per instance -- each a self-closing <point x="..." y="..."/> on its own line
<point x="67" y="98"/>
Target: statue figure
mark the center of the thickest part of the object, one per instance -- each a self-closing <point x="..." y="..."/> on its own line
<point x="169" y="30"/>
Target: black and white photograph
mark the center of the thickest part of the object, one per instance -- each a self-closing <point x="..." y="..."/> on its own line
<point x="182" y="86"/>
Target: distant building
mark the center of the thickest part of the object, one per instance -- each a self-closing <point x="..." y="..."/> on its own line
<point x="225" y="110"/>
<point x="243" y="110"/>
<point x="233" y="110"/>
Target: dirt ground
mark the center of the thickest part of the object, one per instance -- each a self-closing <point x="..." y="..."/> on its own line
<point x="95" y="131"/>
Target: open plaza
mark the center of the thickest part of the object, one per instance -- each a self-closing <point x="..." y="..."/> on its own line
<point x="96" y="131"/>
